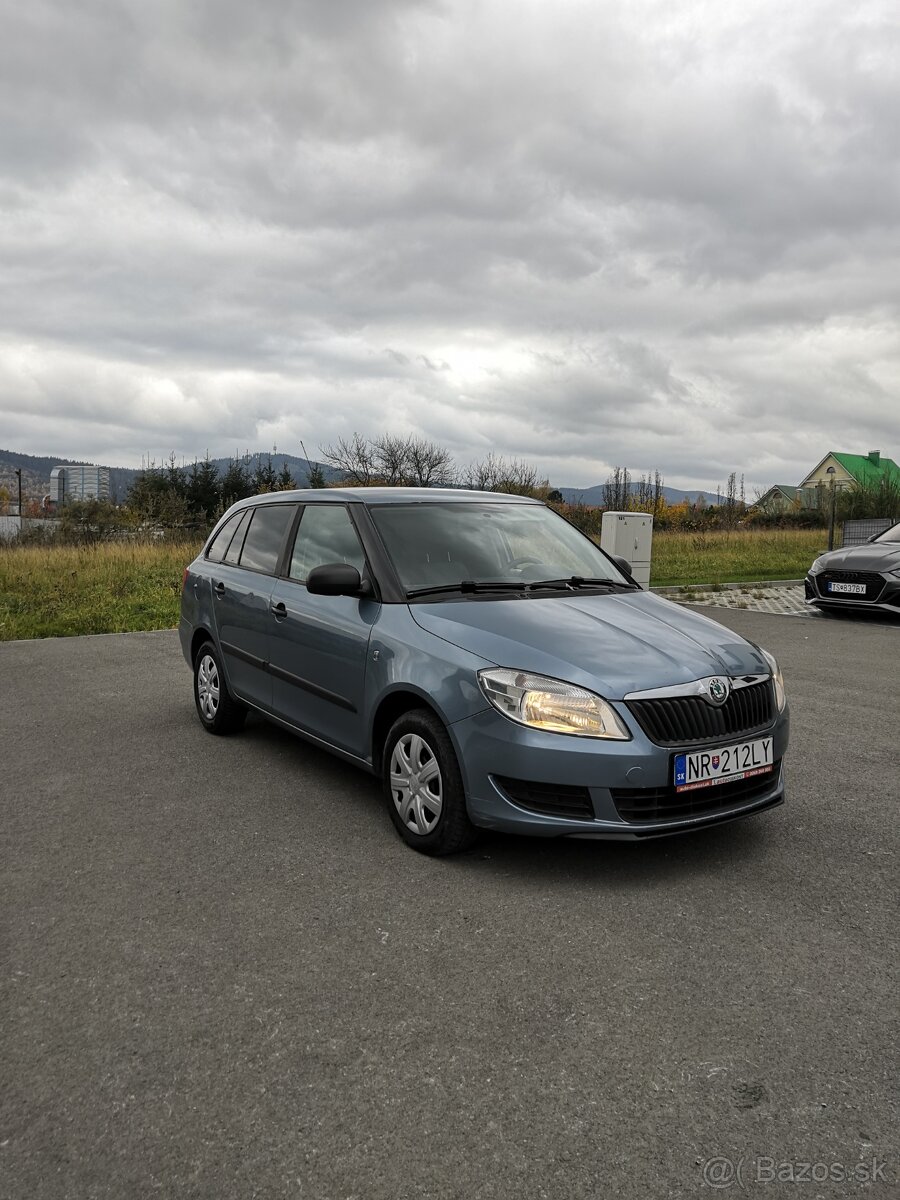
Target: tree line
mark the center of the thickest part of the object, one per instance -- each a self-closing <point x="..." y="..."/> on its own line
<point x="172" y="497"/>
<point x="175" y="496"/>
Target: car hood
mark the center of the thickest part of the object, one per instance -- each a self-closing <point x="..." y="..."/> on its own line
<point x="874" y="556"/>
<point x="612" y="644"/>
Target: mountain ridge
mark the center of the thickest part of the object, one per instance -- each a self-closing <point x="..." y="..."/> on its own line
<point x="36" y="470"/>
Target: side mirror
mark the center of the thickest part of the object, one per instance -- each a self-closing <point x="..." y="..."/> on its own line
<point x="623" y="564"/>
<point x="336" y="579"/>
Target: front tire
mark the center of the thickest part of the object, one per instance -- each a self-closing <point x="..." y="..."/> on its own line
<point x="423" y="786"/>
<point x="217" y="709"/>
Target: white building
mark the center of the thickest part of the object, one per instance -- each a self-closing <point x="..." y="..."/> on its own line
<point x="79" y="482"/>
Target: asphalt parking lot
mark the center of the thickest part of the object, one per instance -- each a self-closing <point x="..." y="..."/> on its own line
<point x="225" y="976"/>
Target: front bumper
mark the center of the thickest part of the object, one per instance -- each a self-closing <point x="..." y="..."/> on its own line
<point x="594" y="775"/>
<point x="888" y="599"/>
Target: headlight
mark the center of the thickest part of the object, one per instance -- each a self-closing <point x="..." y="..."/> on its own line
<point x="550" y="704"/>
<point x="818" y="566"/>
<point x="777" y="678"/>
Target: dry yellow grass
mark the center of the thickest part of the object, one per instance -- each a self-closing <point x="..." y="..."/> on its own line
<point x="108" y="587"/>
<point x="734" y="557"/>
<point x="119" y="587"/>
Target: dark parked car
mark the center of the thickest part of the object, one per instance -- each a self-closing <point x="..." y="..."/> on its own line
<point x="858" y="578"/>
<point x="486" y="660"/>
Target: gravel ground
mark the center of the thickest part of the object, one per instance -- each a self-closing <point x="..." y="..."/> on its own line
<point x="224" y="976"/>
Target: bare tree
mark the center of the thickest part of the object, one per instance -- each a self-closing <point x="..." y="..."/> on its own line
<point x="658" y="498"/>
<point x="429" y="464"/>
<point x="617" y="490"/>
<point x="732" y="506"/>
<point x="497" y="474"/>
<point x="393" y="460"/>
<point x="355" y="458"/>
<point x="479" y="476"/>
<point x="390" y="454"/>
<point x="648" y="498"/>
<point x="645" y="494"/>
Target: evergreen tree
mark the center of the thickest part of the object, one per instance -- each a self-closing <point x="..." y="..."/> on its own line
<point x="264" y="477"/>
<point x="175" y="477"/>
<point x="235" y="484"/>
<point x="158" y="495"/>
<point x="285" y="481"/>
<point x="204" y="491"/>
<point x="316" y="477"/>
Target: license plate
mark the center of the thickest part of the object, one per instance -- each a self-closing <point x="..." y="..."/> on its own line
<point x="706" y="768"/>
<point x="852" y="589"/>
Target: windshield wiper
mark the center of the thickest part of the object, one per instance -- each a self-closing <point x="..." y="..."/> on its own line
<point x="572" y="583"/>
<point x="471" y="585"/>
<point x="578" y="581"/>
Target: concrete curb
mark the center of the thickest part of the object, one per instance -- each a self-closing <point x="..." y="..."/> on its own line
<point x="720" y="587"/>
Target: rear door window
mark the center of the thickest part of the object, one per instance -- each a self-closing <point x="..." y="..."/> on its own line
<point x="265" y="536"/>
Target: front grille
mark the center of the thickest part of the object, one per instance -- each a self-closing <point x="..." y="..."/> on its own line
<point x="549" y="799"/>
<point x="683" y="720"/>
<point x="665" y="804"/>
<point x="873" y="581"/>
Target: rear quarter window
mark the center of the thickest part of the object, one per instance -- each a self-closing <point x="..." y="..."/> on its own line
<point x="233" y="553"/>
<point x="222" y="540"/>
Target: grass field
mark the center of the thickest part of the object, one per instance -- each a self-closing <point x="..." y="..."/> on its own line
<point x="116" y="587"/>
<point x="738" y="557"/>
<point x="110" y="587"/>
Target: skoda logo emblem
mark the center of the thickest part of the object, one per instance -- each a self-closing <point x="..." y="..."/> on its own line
<point x="718" y="690"/>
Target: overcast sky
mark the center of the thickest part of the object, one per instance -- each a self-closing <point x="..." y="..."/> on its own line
<point x="653" y="234"/>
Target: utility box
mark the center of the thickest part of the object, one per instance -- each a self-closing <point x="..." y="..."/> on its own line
<point x="630" y="536"/>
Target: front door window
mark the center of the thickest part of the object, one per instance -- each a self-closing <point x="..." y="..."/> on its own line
<point x="326" y="535"/>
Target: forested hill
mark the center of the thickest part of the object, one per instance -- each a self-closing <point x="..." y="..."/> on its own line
<point x="36" y="476"/>
<point x="36" y="471"/>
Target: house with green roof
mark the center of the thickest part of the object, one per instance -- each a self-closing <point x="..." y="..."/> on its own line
<point x="781" y="497"/>
<point x="847" y="470"/>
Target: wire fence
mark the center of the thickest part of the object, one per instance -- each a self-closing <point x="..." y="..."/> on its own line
<point x="857" y="533"/>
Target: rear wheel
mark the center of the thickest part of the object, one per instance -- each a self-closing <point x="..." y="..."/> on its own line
<point x="217" y="709"/>
<point x="423" y="786"/>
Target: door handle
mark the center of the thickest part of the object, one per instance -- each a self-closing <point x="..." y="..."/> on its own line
<point x="279" y="609"/>
<point x="219" y="588"/>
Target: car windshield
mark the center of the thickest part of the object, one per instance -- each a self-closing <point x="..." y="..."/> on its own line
<point x="440" y="545"/>
<point x="890" y="535"/>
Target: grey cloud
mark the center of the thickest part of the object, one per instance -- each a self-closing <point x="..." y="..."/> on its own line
<point x="651" y="234"/>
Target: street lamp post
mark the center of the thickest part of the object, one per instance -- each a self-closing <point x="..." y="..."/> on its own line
<point x="830" y="471"/>
<point x="19" y="478"/>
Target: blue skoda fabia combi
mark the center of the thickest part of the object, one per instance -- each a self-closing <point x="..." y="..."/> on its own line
<point x="486" y="660"/>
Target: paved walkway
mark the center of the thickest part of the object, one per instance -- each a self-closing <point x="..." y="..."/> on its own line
<point x="775" y="598"/>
